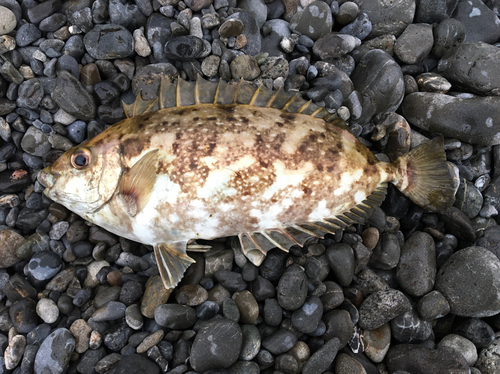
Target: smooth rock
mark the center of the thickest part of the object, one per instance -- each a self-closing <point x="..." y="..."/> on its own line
<point x="55" y="352"/>
<point x="377" y="342"/>
<point x="480" y="22"/>
<point x="379" y="80"/>
<point x="224" y="338"/>
<point x="462" y="345"/>
<point x="134" y="364"/>
<point x="434" y="11"/>
<point x="448" y="35"/>
<point x="292" y="288"/>
<point x="415" y="43"/>
<point x="388" y="18"/>
<point x="458" y="276"/>
<point x="105" y="42"/>
<point x="445" y="114"/>
<point x="322" y="358"/>
<point x="314" y="21"/>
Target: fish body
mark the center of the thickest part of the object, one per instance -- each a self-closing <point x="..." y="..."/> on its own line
<point x="213" y="170"/>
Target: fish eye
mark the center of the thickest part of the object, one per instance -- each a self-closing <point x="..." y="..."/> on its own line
<point x="80" y="159"/>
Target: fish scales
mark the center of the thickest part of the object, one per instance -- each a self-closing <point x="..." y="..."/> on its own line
<point x="214" y="170"/>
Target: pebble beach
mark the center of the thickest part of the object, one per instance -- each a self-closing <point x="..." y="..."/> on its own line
<point x="409" y="292"/>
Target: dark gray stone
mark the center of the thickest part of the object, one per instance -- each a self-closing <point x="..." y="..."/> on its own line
<point x="434" y="11"/>
<point x="415" y="43"/>
<point x="341" y="259"/>
<point x="381" y="307"/>
<point x="175" y="316"/>
<point x="473" y="66"/>
<point x="410" y="328"/>
<point x="333" y="45"/>
<point x="468" y="198"/>
<point x="314" y="21"/>
<point x="458" y="277"/>
<point x="416" y="271"/>
<point x="474" y="120"/>
<point x="433" y="305"/>
<point x="292" y="288"/>
<point x="72" y="97"/>
<point x="322" y="358"/>
<point x="476" y="330"/>
<point x="306" y="318"/>
<point x="379" y="80"/>
<point x="421" y="360"/>
<point x="280" y="341"/>
<point x="27" y="34"/>
<point x="105" y="42"/>
<point x="251" y="31"/>
<point x="134" y="364"/>
<point x="338" y="325"/>
<point x="481" y="23"/>
<point x="388" y="17"/>
<point x="448" y="35"/>
<point x="216" y="346"/>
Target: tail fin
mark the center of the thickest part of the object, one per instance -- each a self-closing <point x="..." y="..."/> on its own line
<point x="429" y="180"/>
<point x="172" y="263"/>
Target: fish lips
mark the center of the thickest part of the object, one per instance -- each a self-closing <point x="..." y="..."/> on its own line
<point x="47" y="177"/>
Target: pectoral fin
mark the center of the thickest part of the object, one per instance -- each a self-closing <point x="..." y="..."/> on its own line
<point x="172" y="263"/>
<point x="136" y="185"/>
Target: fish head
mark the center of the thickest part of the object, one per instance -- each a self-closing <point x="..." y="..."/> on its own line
<point x="85" y="177"/>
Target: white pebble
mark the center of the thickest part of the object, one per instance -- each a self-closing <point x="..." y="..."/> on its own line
<point x="47" y="310"/>
<point x="141" y="44"/>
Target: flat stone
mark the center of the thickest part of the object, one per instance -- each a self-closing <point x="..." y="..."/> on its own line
<point x="55" y="352"/>
<point x="105" y="42"/>
<point x="72" y="97"/>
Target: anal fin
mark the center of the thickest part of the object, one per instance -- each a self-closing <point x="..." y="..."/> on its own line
<point x="172" y="262"/>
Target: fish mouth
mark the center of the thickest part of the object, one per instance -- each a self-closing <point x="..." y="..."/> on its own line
<point x="47" y="177"/>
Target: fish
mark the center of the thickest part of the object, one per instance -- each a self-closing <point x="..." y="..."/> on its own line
<point x="208" y="159"/>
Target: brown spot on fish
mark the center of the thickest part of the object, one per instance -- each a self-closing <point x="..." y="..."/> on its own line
<point x="280" y="124"/>
<point x="231" y="119"/>
<point x="212" y="118"/>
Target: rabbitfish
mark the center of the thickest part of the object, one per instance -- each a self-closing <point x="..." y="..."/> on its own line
<point x="218" y="159"/>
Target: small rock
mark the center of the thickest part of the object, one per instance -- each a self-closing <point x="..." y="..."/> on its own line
<point x="322" y="358"/>
<point x="314" y="21"/>
<point x="106" y="42"/>
<point x="292" y="288"/>
<point x="381" y="307"/>
<point x="415" y="43"/>
<point x="55" y="352"/>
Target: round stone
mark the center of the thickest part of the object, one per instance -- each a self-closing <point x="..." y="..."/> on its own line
<point x="341" y="259"/>
<point x="292" y="288"/>
<point x="8" y="20"/>
<point x="314" y="21"/>
<point x="232" y="27"/>
<point x="44" y="265"/>
<point x="105" y="42"/>
<point x="458" y="277"/>
<point x="55" y="352"/>
<point x="306" y="319"/>
<point x="224" y="338"/>
<point x="134" y="364"/>
<point x="462" y="345"/>
<point x="175" y="316"/>
<point x="47" y="310"/>
<point x="72" y="97"/>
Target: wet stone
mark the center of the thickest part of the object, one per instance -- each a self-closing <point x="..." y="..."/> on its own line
<point x="306" y="319"/>
<point x="468" y="198"/>
<point x="175" y="316"/>
<point x="416" y="359"/>
<point x="474" y="66"/>
<point x="27" y="34"/>
<point x="225" y="339"/>
<point x="35" y="142"/>
<point x="44" y="265"/>
<point x="322" y="358"/>
<point x="481" y="128"/>
<point x="106" y="42"/>
<point x="489" y="360"/>
<point x="292" y="288"/>
<point x="447" y="36"/>
<point x="272" y="312"/>
<point x="375" y="70"/>
<point x="9" y="242"/>
<point x="280" y="341"/>
<point x="134" y="364"/>
<point x="55" y="352"/>
<point x="314" y="21"/>
<point x="72" y="97"/>
<point x="410" y="328"/>
<point x="416" y="271"/>
<point x="184" y="48"/>
<point x="458" y="277"/>
<point x="433" y="305"/>
<point x="113" y="310"/>
<point x="476" y="330"/>
<point x="231" y="27"/>
<point x="480" y="22"/>
<point x="414" y="43"/>
<point x="360" y="28"/>
<point x="381" y="307"/>
<point x="191" y="295"/>
<point x="433" y="82"/>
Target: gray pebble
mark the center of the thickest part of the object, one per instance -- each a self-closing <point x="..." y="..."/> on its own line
<point x="292" y="288"/>
<point x="381" y="307"/>
<point x="55" y="352"/>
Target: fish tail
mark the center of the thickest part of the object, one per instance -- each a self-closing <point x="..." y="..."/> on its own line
<point x="171" y="263"/>
<point x="424" y="176"/>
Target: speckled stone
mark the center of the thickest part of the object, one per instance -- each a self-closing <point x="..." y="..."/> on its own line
<point x="55" y="352"/>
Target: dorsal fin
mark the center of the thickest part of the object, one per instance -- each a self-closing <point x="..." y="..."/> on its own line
<point x="181" y="93"/>
<point x="139" y="106"/>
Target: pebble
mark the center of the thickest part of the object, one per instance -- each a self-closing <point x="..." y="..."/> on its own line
<point x="72" y="97"/>
<point x="134" y="363"/>
<point x="488" y="359"/>
<point x="415" y="43"/>
<point x="322" y="358"/>
<point x="388" y="18"/>
<point x="9" y="242"/>
<point x="8" y="20"/>
<point x="381" y="307"/>
<point x="462" y="345"/>
<point x="433" y="305"/>
<point x="341" y="260"/>
<point x="480" y="129"/>
<point x="480" y="22"/>
<point x="247" y="305"/>
<point x="55" y="352"/>
<point x="14" y="351"/>
<point x="280" y="341"/>
<point x="251" y="342"/>
<point x="44" y="265"/>
<point x="250" y="31"/>
<point x="476" y="330"/>
<point x="478" y="76"/>
<point x="416" y="359"/>
<point x="106" y="42"/>
<point x="457" y="276"/>
<point x="377" y="342"/>
<point x="175" y="316"/>
<point x="410" y="328"/>
<point x="334" y="45"/>
<point x="339" y="324"/>
<point x="314" y="21"/>
<point x="225" y="339"/>
<point x="448" y="35"/>
<point x="292" y="288"/>
<point x="369" y="84"/>
<point x="306" y="319"/>
<point x="416" y="271"/>
<point x="47" y="310"/>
